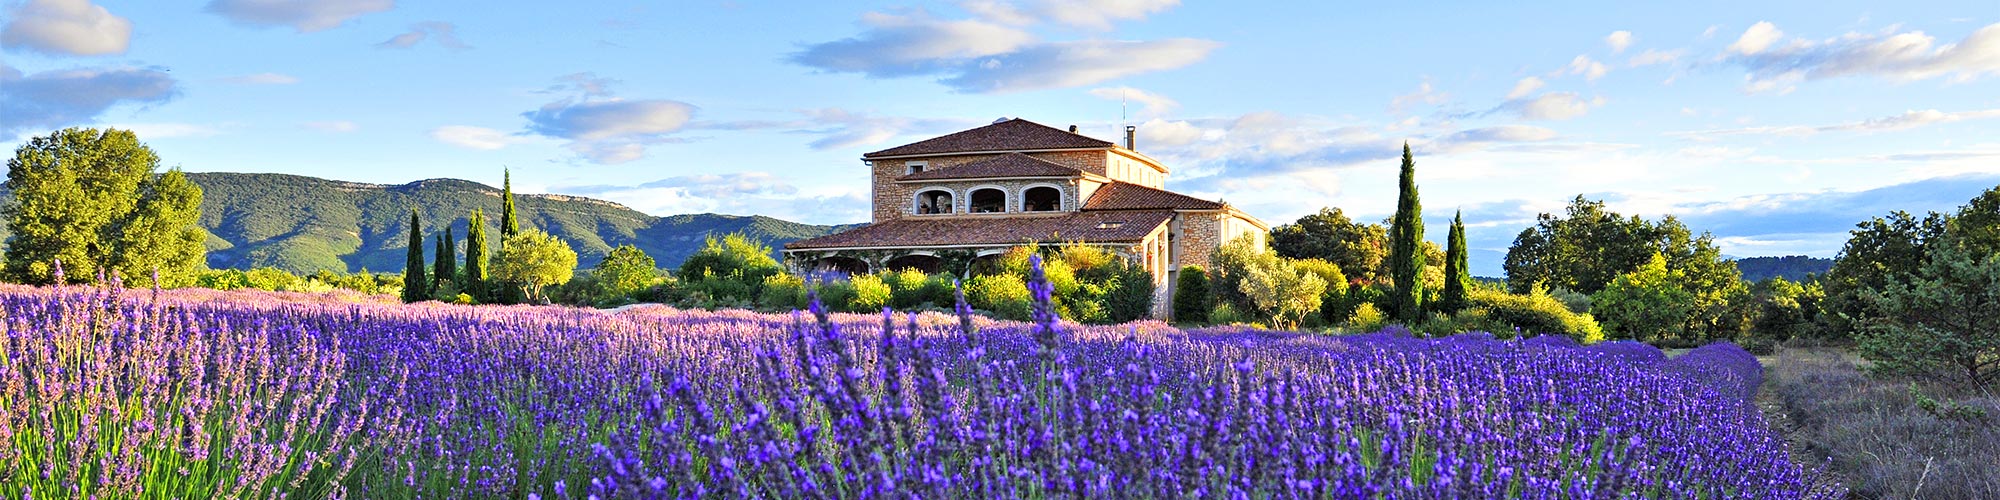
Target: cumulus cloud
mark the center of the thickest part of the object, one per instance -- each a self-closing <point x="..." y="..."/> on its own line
<point x="444" y="33"/>
<point x="54" y="99"/>
<point x="1151" y="105"/>
<point x="1904" y="121"/>
<point x="760" y="193"/>
<point x="1524" y="87"/>
<point x="994" y="53"/>
<point x="262" y="79"/>
<point x="1618" y="40"/>
<point x="66" y="28"/>
<point x="306" y="16"/>
<point x="1591" y="69"/>
<point x="1903" y="57"/>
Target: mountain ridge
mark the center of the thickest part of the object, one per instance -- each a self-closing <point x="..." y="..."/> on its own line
<point x="303" y="224"/>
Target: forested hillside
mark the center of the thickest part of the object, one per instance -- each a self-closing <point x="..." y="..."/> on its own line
<point x="1790" y="267"/>
<point x="303" y="224"/>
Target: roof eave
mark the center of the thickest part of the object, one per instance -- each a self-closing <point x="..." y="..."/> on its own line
<point x="870" y="157"/>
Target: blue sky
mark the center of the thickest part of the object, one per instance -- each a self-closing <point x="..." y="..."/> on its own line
<point x="1775" y="125"/>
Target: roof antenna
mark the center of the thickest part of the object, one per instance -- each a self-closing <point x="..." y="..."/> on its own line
<point x="1122" y="119"/>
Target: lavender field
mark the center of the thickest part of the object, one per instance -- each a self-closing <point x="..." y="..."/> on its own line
<point x="109" y="393"/>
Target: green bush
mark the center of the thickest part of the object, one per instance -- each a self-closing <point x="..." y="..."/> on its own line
<point x="1366" y="318"/>
<point x="1091" y="263"/>
<point x="735" y="256"/>
<point x="940" y="291"/>
<point x="835" y="295"/>
<point x="1224" y="314"/>
<point x="783" y="292"/>
<point x="1192" y="301"/>
<point x="1003" y="294"/>
<point x="906" y="288"/>
<point x="1128" y="295"/>
<point x="1534" y="314"/>
<point x="732" y="288"/>
<point x="870" y="294"/>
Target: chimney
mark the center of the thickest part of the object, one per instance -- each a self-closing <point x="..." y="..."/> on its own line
<point x="1072" y="129"/>
<point x="1131" y="131"/>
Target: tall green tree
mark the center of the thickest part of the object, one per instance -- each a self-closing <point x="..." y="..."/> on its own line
<point x="475" y="257"/>
<point x="1879" y="251"/>
<point x="509" y="224"/>
<point x="416" y="287"/>
<point x="1192" y="301"/>
<point x="1647" y="304"/>
<point x="444" y="267"/>
<point x="1942" y="321"/>
<point x="1357" y="248"/>
<point x="625" y="271"/>
<point x="536" y="260"/>
<point x="91" y="199"/>
<point x="1457" y="277"/>
<point x="1406" y="252"/>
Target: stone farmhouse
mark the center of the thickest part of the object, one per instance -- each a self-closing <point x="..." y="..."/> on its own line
<point x="944" y="203"/>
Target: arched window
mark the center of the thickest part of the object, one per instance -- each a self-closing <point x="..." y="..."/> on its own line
<point x="987" y="200"/>
<point x="1041" y="199"/>
<point x="935" y="201"/>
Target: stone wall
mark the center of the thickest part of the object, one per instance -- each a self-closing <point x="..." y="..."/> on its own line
<point x="1201" y="234"/>
<point x="893" y="200"/>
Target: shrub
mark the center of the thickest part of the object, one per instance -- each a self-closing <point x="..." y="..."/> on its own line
<point x="1284" y="293"/>
<point x="732" y="255"/>
<point x="1192" y="301"/>
<point x="1225" y="314"/>
<point x="1535" y="314"/>
<point x="940" y="291"/>
<point x="1091" y="263"/>
<point x="783" y="292"/>
<point x="835" y="295"/>
<point x="1005" y="295"/>
<point x="870" y="294"/>
<point x="906" y="288"/>
<point x="1366" y="318"/>
<point x="733" y="288"/>
<point x="1225" y="268"/>
<point x="1128" y="295"/>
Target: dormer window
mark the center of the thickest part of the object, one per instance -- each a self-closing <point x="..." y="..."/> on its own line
<point x="1041" y="199"/>
<point x="987" y="201"/>
<point x="915" y="167"/>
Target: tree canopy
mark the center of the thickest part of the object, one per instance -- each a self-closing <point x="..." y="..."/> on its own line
<point x="625" y="270"/>
<point x="535" y="260"/>
<point x="1359" y="249"/>
<point x="91" y="198"/>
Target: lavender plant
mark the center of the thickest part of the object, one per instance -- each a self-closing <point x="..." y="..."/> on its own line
<point x="258" y="397"/>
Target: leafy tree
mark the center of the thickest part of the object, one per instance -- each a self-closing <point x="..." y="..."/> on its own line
<point x="625" y="271"/>
<point x="1941" y="322"/>
<point x="1129" y="294"/>
<point x="1589" y="247"/>
<point x="1284" y="291"/>
<point x="444" y="267"/>
<point x="1192" y="301"/>
<point x="1225" y="272"/>
<point x="731" y="255"/>
<point x="1406" y="236"/>
<point x="1359" y="249"/>
<point x="1786" y="309"/>
<point x="1879" y="252"/>
<point x="475" y="257"/>
<point x="510" y="224"/>
<point x="1457" y="278"/>
<point x="536" y="260"/>
<point x="1647" y="304"/>
<point x="90" y="198"/>
<point x="415" y="285"/>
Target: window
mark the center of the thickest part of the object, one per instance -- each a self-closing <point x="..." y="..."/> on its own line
<point x="935" y="201"/>
<point x="987" y="200"/>
<point x="915" y="167"/>
<point x="1041" y="199"/>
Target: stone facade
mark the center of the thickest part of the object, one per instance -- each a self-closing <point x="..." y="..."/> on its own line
<point x="892" y="200"/>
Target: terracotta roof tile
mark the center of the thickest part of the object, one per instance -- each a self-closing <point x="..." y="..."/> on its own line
<point x="1007" y="165"/>
<point x="1093" y="227"/>
<point x="1127" y="196"/>
<point x="1011" y="135"/>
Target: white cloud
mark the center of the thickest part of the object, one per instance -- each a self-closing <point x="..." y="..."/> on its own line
<point x="333" y="126"/>
<point x="66" y="27"/>
<point x="1589" y="68"/>
<point x="1091" y="14"/>
<point x="994" y="54"/>
<point x="445" y="34"/>
<point x="1757" y="38"/>
<point x="1524" y="87"/>
<point x="1903" y="57"/>
<point x="1905" y="121"/>
<point x="1618" y="40"/>
<point x="1424" y="94"/>
<point x="53" y="99"/>
<point x="1549" y="106"/>
<point x="1653" y="56"/>
<point x="471" y="137"/>
<point x="1151" y="105"/>
<point x="1503" y="133"/>
<point x="1158" y="132"/>
<point x="306" y="16"/>
<point x="610" y="130"/>
<point x="262" y="79"/>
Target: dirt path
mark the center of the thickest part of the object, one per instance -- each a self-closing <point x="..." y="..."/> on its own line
<point x="1796" y="444"/>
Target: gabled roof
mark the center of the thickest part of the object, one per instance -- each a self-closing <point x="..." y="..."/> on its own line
<point x="1128" y="196"/>
<point x="1011" y="135"/>
<point x="1087" y="227"/>
<point x="1007" y="165"/>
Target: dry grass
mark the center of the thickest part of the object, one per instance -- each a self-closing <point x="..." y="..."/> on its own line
<point x="1878" y="439"/>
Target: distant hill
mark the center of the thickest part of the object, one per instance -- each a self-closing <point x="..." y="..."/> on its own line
<point x="302" y="224"/>
<point x="1790" y="267"/>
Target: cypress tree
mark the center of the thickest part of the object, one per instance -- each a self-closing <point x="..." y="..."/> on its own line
<point x="414" y="282"/>
<point x="1457" y="277"/>
<point x="475" y="256"/>
<point x="1406" y="251"/>
<point x="509" y="225"/>
<point x="445" y="266"/>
